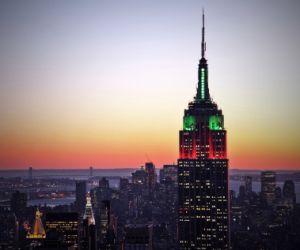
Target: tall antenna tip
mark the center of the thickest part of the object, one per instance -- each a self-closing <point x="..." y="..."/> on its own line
<point x="203" y="45"/>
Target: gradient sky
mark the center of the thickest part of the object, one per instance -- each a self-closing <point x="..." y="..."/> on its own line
<point x="105" y="83"/>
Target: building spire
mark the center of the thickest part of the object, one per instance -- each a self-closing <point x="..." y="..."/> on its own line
<point x="202" y="89"/>
<point x="203" y="43"/>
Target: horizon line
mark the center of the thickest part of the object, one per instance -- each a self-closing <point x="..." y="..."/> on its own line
<point x="131" y="168"/>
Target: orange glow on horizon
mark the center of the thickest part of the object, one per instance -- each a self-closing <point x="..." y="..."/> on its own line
<point x="106" y="84"/>
<point x="129" y="152"/>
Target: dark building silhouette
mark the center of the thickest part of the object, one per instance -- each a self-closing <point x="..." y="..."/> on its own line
<point x="88" y="236"/>
<point x="18" y="203"/>
<point x="107" y="232"/>
<point x="151" y="176"/>
<point x="9" y="228"/>
<point x="104" y="219"/>
<point x="248" y="185"/>
<point x="91" y="171"/>
<point x="30" y="173"/>
<point x="54" y="240"/>
<point x="80" y="196"/>
<point x="268" y="187"/>
<point x="103" y="183"/>
<point x="278" y="194"/>
<point x="66" y="223"/>
<point x="242" y="193"/>
<point x="203" y="171"/>
<point x="139" y="177"/>
<point x="124" y="184"/>
<point x="288" y="192"/>
<point x="138" y="237"/>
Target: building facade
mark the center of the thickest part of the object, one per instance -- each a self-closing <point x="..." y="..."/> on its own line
<point x="268" y="187"/>
<point x="80" y="196"/>
<point x="168" y="172"/>
<point x="18" y="203"/>
<point x="203" y="171"/>
<point x="138" y="237"/>
<point x="65" y="222"/>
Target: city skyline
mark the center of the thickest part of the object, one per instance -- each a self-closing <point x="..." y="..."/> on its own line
<point x="104" y="84"/>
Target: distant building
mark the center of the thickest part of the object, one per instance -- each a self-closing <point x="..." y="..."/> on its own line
<point x="124" y="184"/>
<point x="18" y="203"/>
<point x="30" y="173"/>
<point x="103" y="183"/>
<point x="268" y="187"/>
<point x="139" y="177"/>
<point x="168" y="172"/>
<point x="80" y="196"/>
<point x="242" y="193"/>
<point x="232" y="197"/>
<point x="91" y="171"/>
<point x="151" y="176"/>
<point x="288" y="192"/>
<point x="248" y="185"/>
<point x="66" y="223"/>
<point x="278" y="194"/>
<point x="138" y="237"/>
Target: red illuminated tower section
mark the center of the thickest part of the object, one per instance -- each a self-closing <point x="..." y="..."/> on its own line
<point x="203" y="170"/>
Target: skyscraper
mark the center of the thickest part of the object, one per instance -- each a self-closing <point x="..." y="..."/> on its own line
<point x="18" y="203"/>
<point x="248" y="184"/>
<point x="288" y="192"/>
<point x="105" y="226"/>
<point x="203" y="170"/>
<point x="9" y="228"/>
<point x="151" y="176"/>
<point x="88" y="235"/>
<point x="168" y="172"/>
<point x="91" y="171"/>
<point x="88" y="213"/>
<point x="103" y="183"/>
<point x="268" y="186"/>
<point x="80" y="196"/>
<point x="139" y="177"/>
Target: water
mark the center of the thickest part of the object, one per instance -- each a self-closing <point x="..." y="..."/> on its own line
<point x="77" y="174"/>
<point x="51" y="202"/>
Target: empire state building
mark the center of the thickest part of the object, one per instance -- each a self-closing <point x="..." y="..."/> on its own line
<point x="203" y="170"/>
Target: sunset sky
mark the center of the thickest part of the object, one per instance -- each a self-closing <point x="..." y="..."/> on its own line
<point x="105" y="83"/>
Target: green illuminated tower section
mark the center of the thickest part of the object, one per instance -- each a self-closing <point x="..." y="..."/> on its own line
<point x="202" y="89"/>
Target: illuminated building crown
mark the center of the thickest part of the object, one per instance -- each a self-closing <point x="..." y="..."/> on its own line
<point x="89" y="214"/>
<point x="38" y="228"/>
